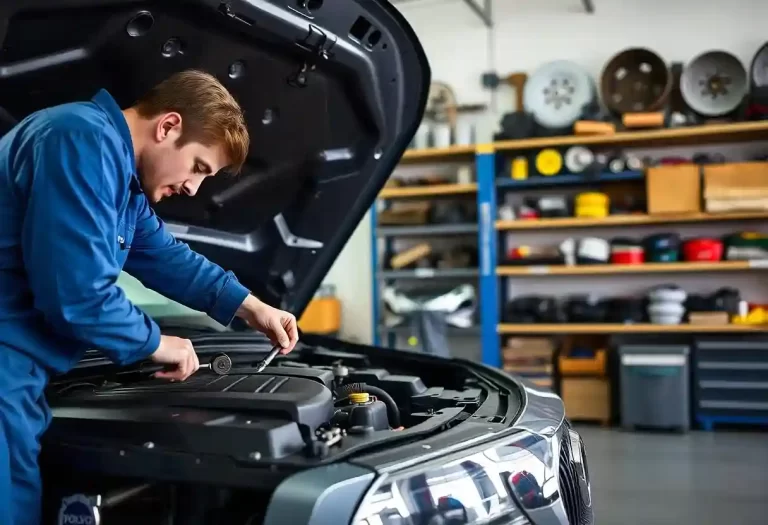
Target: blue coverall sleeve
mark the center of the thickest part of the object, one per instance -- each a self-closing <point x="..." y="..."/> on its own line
<point x="170" y="267"/>
<point x="69" y="245"/>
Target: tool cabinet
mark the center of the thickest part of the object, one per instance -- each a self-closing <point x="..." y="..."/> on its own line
<point x="730" y="381"/>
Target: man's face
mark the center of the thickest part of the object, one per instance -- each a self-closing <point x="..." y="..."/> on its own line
<point x="166" y="169"/>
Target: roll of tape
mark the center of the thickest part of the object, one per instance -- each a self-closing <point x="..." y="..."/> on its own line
<point x="549" y="162"/>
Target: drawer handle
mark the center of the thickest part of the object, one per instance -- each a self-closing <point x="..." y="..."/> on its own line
<point x="653" y="360"/>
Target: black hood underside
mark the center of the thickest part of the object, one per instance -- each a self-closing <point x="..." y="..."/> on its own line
<point x="332" y="90"/>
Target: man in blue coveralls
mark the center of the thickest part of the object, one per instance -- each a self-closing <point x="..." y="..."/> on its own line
<point x="76" y="184"/>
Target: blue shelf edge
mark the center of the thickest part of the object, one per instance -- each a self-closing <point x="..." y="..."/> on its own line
<point x="708" y="422"/>
<point x="490" y="349"/>
<point x="568" y="180"/>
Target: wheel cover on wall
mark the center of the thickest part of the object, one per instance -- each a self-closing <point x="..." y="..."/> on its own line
<point x="758" y="71"/>
<point x="441" y="103"/>
<point x="556" y="94"/>
<point x="635" y="80"/>
<point x="714" y="83"/>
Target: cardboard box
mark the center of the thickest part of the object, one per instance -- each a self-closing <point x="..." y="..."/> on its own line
<point x="736" y="186"/>
<point x="586" y="399"/>
<point x="673" y="189"/>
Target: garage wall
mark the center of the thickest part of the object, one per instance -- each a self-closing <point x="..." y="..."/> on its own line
<point x="528" y="33"/>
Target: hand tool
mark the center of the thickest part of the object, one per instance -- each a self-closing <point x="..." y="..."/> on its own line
<point x="221" y="364"/>
<point x="265" y="362"/>
<point x="518" y="124"/>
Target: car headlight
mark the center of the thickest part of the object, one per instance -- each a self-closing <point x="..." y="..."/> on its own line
<point x="507" y="483"/>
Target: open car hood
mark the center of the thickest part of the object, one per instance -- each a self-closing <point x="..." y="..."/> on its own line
<point x="333" y="91"/>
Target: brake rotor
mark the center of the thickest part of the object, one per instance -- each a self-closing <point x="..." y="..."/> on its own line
<point x="635" y="80"/>
<point x="714" y="84"/>
<point x="556" y="94"/>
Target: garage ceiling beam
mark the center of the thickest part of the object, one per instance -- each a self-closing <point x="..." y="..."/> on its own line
<point x="484" y="11"/>
<point x="482" y="8"/>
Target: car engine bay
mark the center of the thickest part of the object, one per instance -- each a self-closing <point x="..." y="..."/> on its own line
<point x="205" y="450"/>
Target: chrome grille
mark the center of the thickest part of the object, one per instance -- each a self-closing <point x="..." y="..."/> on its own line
<point x="574" y="480"/>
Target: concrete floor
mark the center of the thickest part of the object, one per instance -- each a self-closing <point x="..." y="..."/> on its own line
<point x="699" y="478"/>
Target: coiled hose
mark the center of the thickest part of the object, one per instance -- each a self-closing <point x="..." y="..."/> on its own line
<point x="392" y="410"/>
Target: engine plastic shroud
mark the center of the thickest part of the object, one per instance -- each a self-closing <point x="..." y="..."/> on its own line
<point x="234" y="415"/>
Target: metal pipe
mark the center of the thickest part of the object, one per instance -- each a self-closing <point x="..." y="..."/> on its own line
<point x="484" y="12"/>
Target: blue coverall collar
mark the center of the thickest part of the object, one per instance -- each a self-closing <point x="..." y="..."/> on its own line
<point x="109" y="105"/>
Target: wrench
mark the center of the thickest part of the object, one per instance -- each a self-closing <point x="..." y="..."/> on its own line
<point x="265" y="362"/>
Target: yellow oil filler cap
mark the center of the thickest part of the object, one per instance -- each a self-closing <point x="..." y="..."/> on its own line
<point x="359" y="397"/>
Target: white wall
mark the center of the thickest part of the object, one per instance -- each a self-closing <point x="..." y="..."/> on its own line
<point x="528" y="33"/>
<point x="351" y="274"/>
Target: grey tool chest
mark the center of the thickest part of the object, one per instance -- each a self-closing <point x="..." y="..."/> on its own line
<point x="730" y="381"/>
<point x="654" y="386"/>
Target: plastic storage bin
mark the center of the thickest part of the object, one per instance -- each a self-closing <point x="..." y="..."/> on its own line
<point x="583" y="366"/>
<point x="654" y="386"/>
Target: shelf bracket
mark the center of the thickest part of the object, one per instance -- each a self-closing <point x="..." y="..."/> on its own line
<point x="484" y="12"/>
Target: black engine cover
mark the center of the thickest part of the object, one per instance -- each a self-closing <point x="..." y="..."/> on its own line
<point x="239" y="416"/>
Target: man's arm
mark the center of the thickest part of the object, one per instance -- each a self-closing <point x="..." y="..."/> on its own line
<point x="69" y="246"/>
<point x="170" y="267"/>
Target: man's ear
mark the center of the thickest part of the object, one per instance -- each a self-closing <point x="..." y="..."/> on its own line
<point x="168" y="126"/>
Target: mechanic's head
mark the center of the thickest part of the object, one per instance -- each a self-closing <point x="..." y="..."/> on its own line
<point x="185" y="129"/>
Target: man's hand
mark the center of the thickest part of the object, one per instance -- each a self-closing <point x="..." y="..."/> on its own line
<point x="178" y="355"/>
<point x="276" y="324"/>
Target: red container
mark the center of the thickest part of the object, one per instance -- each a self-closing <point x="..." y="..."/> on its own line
<point x="703" y="250"/>
<point x="628" y="255"/>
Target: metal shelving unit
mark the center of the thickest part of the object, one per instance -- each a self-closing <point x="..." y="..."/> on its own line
<point x="453" y="331"/>
<point x="491" y="275"/>
<point x="429" y="229"/>
<point x="429" y="273"/>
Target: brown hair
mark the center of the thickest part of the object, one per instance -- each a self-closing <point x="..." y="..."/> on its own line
<point x="210" y="114"/>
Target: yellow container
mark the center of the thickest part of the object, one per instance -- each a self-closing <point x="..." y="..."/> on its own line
<point x="322" y="316"/>
<point x="584" y="366"/>
<point x="549" y="162"/>
<point x="592" y="204"/>
<point x="592" y="198"/>
<point x="591" y="212"/>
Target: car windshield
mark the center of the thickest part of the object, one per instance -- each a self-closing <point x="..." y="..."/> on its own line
<point x="154" y="304"/>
